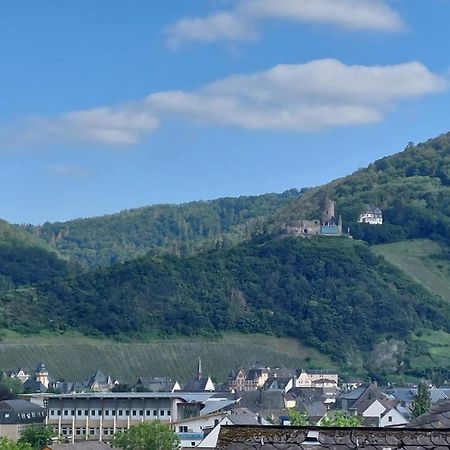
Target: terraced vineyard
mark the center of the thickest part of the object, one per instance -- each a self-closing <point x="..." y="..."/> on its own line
<point x="76" y="357"/>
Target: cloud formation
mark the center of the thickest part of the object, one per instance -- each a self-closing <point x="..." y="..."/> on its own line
<point x="242" y="23"/>
<point x="297" y="97"/>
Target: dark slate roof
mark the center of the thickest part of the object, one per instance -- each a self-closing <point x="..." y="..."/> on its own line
<point x="196" y="384"/>
<point x="293" y="438"/>
<point x="156" y="384"/>
<point x="34" y="386"/>
<point x="19" y="406"/>
<point x="437" y="417"/>
<point x="354" y="394"/>
<point x="283" y="373"/>
<point x="98" y="377"/>
<point x="314" y="408"/>
<point x="308" y="392"/>
<point x="276" y="383"/>
<point x="83" y="445"/>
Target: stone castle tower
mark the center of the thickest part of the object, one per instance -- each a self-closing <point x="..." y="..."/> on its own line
<point x="328" y="217"/>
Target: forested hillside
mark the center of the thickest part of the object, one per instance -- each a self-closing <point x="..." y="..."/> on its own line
<point x="332" y="294"/>
<point x="175" y="229"/>
<point x="26" y="260"/>
<point x="411" y="187"/>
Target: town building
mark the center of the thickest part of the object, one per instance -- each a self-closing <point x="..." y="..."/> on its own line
<point x="98" y="415"/>
<point x="372" y="215"/>
<point x="17" y="415"/>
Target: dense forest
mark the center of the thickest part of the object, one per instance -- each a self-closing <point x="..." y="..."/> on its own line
<point x="26" y="260"/>
<point x="175" y="229"/>
<point x="333" y="294"/>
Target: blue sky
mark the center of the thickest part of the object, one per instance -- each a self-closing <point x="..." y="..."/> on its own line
<point x="108" y="105"/>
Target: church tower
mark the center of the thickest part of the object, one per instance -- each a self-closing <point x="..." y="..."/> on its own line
<point x="42" y="374"/>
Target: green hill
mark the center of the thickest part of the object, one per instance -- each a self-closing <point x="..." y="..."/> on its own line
<point x="332" y="294"/>
<point x="411" y="187"/>
<point x="217" y="267"/>
<point x="25" y="259"/>
<point x="161" y="229"/>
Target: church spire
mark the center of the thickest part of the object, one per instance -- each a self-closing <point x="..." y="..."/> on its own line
<point x="199" y="372"/>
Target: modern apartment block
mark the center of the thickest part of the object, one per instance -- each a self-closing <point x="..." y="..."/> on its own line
<point x="97" y="416"/>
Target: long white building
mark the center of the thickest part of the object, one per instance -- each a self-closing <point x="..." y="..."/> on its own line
<point x="97" y="416"/>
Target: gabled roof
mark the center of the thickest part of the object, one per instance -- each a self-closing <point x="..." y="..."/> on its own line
<point x="98" y="377"/>
<point x="437" y="417"/>
<point x="276" y="383"/>
<point x="19" y="406"/>
<point x="196" y="384"/>
<point x="370" y="394"/>
<point x="354" y="394"/>
<point x="34" y="386"/>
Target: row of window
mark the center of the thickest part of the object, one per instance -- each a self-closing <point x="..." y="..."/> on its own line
<point x="110" y="412"/>
<point x="67" y="431"/>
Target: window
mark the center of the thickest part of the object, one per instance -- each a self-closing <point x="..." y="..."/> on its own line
<point x="120" y="412"/>
<point x="147" y="413"/>
<point x="141" y="413"/>
<point x="127" y="412"/>
<point x="183" y="428"/>
<point x="192" y="444"/>
<point x="155" y="413"/>
<point x="161" y="413"/>
<point x="52" y="412"/>
<point x="113" y="412"/>
<point x="99" y="412"/>
<point x="66" y="412"/>
<point x="106" y="412"/>
<point x="93" y="412"/>
<point x="134" y="412"/>
<point x="86" y="412"/>
<point x="79" y="413"/>
<point x="389" y="418"/>
<point x="72" y="412"/>
<point x="169" y="412"/>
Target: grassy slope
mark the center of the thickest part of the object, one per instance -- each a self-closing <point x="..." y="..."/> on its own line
<point x="418" y="259"/>
<point x="76" y="357"/>
<point x="432" y="350"/>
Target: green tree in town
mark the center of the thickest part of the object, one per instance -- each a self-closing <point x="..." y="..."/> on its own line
<point x="37" y="436"/>
<point x="422" y="401"/>
<point x="147" y="436"/>
<point x="341" y="419"/>
<point x="8" y="444"/>
<point x="9" y="388"/>
<point x="297" y="418"/>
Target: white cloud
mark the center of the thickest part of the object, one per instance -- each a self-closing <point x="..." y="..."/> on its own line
<point x="242" y="22"/>
<point x="297" y="97"/>
<point x="120" y="126"/>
